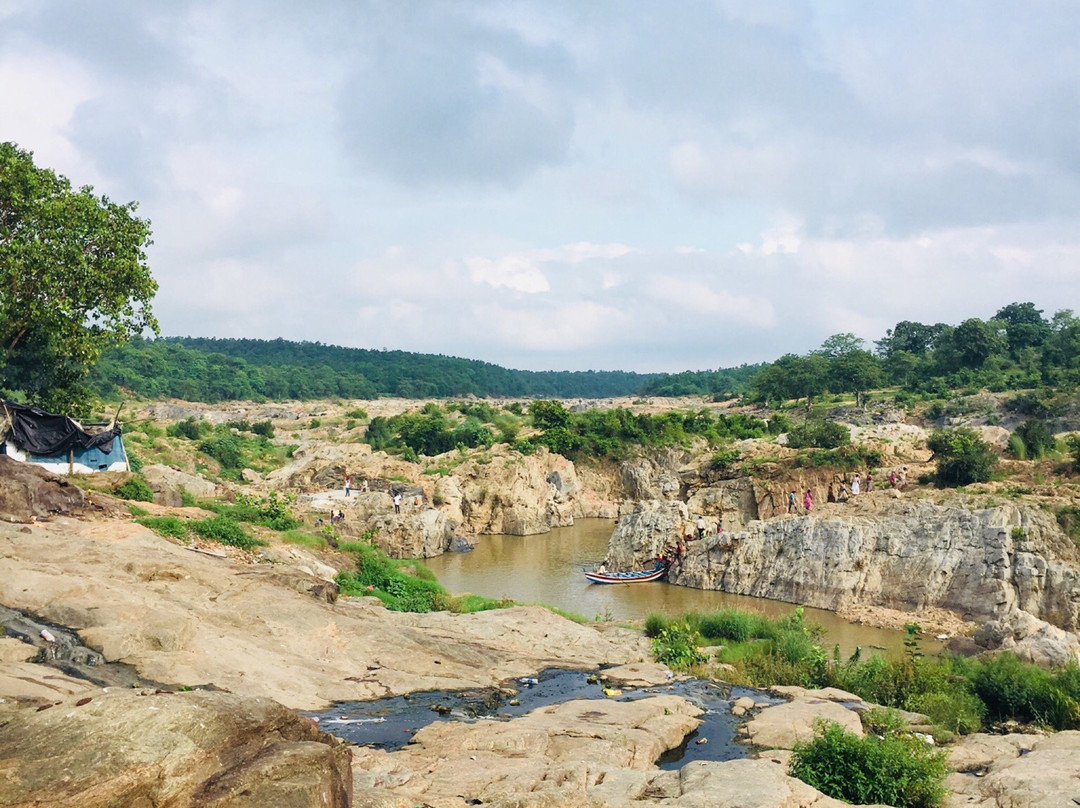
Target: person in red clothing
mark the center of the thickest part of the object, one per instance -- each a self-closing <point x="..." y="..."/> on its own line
<point x="808" y="500"/>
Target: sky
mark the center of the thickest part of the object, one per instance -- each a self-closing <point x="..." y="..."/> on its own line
<point x="568" y="185"/>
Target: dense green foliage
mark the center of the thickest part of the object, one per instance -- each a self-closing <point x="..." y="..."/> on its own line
<point x="135" y="489"/>
<point x="610" y="433"/>
<point x="404" y="585"/>
<point x="720" y="384"/>
<point x="959" y="695"/>
<point x="818" y="433"/>
<point x="962" y="456"/>
<point x="1017" y="349"/>
<point x="215" y="370"/>
<point x="221" y="529"/>
<point x="895" y="769"/>
<point x="73" y="282"/>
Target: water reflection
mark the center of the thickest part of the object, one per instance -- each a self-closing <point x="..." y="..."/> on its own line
<point x="547" y="568"/>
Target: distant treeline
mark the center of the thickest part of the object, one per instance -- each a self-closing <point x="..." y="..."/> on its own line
<point x="212" y="370"/>
<point x="1016" y="349"/>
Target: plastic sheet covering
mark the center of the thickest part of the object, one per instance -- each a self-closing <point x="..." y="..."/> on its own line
<point x="41" y="433"/>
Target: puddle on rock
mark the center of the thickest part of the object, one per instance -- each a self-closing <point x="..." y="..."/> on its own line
<point x="390" y="723"/>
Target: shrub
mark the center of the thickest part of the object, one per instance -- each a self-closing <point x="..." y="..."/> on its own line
<point x="402" y="586"/>
<point x="820" y="434"/>
<point x="165" y="526"/>
<point x="225" y="530"/>
<point x="189" y="428"/>
<point x="263" y="428"/>
<point x="134" y="488"/>
<point x="654" y="624"/>
<point x="676" y="647"/>
<point x="958" y="711"/>
<point x="225" y="449"/>
<point x="1012" y="689"/>
<point x="135" y="462"/>
<point x="359" y="413"/>
<point x="1073" y="443"/>
<point x="1038" y="441"/>
<point x="724" y="459"/>
<point x="896" y="770"/>
<point x="962" y="457"/>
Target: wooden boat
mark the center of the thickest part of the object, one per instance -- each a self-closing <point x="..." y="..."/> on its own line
<point x="636" y="577"/>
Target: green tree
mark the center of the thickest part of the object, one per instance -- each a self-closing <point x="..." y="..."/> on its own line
<point x="962" y="456"/>
<point x="73" y="280"/>
<point x="854" y="372"/>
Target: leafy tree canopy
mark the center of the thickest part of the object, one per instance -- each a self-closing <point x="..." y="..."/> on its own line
<point x="73" y="280"/>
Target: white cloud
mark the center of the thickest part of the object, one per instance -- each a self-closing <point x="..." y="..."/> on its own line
<point x="566" y="184"/>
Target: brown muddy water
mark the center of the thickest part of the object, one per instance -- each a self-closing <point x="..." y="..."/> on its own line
<point x="547" y="568"/>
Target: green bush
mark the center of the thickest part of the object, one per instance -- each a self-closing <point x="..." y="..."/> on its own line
<point x="166" y="526"/>
<point x="402" y="586"/>
<point x="819" y="434"/>
<point x="724" y="459"/>
<point x="190" y="429"/>
<point x="1073" y="444"/>
<point x="654" y="624"/>
<point x="135" y="462"/>
<point x="225" y="449"/>
<point x="958" y="711"/>
<point x="225" y="530"/>
<point x="1037" y="438"/>
<point x="1012" y="689"/>
<point x="136" y="489"/>
<point x="897" y="770"/>
<point x="962" y="457"/>
<point x="263" y="428"/>
<point x="676" y="647"/>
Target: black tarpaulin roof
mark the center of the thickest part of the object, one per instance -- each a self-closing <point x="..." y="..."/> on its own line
<point x="42" y="433"/>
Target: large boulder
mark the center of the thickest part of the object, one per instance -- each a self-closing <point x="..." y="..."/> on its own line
<point x="1031" y="639"/>
<point x="29" y="492"/>
<point x="169" y="484"/>
<point x="644" y="533"/>
<point x="172" y="750"/>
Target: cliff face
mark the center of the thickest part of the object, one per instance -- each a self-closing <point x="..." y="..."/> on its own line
<point x="981" y="564"/>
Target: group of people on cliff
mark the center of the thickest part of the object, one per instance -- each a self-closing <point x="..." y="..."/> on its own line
<point x="841" y="490"/>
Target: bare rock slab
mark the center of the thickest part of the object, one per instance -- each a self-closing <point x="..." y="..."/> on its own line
<point x="170" y="750"/>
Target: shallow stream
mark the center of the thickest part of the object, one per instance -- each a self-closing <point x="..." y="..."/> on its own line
<point x="389" y="723"/>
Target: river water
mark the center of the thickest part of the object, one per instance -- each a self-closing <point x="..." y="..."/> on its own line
<point x="547" y="568"/>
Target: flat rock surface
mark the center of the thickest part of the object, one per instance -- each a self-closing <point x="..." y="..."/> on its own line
<point x="1015" y="771"/>
<point x="581" y="754"/>
<point x="784" y="725"/>
<point x="187" y="618"/>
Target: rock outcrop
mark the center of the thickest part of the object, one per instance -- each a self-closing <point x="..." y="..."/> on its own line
<point x="30" y="492"/>
<point x="171" y="750"/>
<point x="983" y="564"/>
<point x="169" y="484"/>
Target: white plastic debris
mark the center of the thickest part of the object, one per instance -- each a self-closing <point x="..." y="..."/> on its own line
<point x="47" y="635"/>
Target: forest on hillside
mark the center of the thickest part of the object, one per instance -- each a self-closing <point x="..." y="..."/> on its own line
<point x="1015" y="349"/>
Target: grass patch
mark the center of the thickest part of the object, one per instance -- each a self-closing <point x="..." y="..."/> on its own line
<point x="221" y="529"/>
<point x="310" y="540"/>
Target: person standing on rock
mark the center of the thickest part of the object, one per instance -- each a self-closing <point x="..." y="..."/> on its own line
<point x="869" y="481"/>
<point x="855" y="485"/>
<point x="701" y="527"/>
<point x="791" y="506"/>
<point x="892" y="479"/>
<point x="808" y="500"/>
<point x="397" y="502"/>
<point x="348" y="484"/>
<point x="831" y="495"/>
